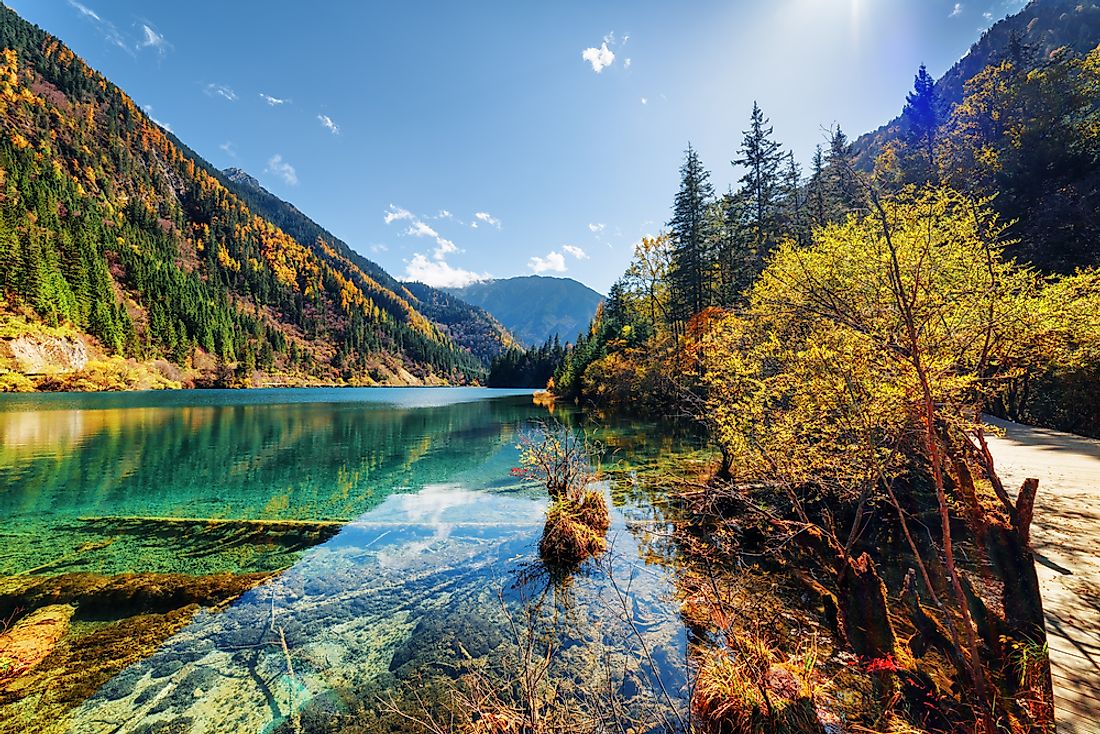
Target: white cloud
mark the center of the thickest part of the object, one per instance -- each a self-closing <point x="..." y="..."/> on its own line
<point x="987" y="15"/>
<point x="273" y="101"/>
<point x="645" y="100"/>
<point x="419" y="229"/>
<point x="229" y="149"/>
<point x="440" y="274"/>
<point x="282" y="169"/>
<point x="575" y="251"/>
<point x="106" y="27"/>
<point x="395" y="213"/>
<point x="328" y="124"/>
<point x="956" y="11"/>
<point x="444" y="214"/>
<point x="627" y="62"/>
<point x="85" y="10"/>
<point x="596" y="227"/>
<point x="553" y="262"/>
<point x="152" y="39"/>
<point x="379" y="247"/>
<point x="487" y="218"/>
<point x="600" y="58"/>
<point x="445" y="247"/>
<point x="221" y="90"/>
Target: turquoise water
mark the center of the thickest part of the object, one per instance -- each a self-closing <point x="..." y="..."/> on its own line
<point x="405" y="551"/>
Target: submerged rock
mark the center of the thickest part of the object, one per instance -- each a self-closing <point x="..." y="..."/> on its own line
<point x="443" y="640"/>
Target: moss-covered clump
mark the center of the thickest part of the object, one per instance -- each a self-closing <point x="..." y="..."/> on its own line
<point x="98" y="596"/>
<point x="575" y="529"/>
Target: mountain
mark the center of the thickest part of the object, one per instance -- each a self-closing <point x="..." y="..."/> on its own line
<point x="470" y="327"/>
<point x="535" y="307"/>
<point x="116" y="235"/>
<point x="1038" y="30"/>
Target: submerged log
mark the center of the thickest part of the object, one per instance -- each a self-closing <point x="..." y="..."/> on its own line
<point x="32" y="638"/>
<point x="290" y="534"/>
<point x="122" y="595"/>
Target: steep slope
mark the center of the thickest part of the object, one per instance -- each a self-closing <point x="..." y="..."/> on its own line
<point x="1040" y="28"/>
<point x="535" y="307"/>
<point x="115" y="230"/>
<point x="471" y="328"/>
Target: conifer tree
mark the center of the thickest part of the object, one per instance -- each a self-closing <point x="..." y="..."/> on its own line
<point x="762" y="182"/>
<point x="921" y="120"/>
<point x="795" y="223"/>
<point x="842" y="192"/>
<point x="690" y="230"/>
<point x="815" y="189"/>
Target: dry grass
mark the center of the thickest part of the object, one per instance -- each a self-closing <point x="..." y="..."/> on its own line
<point x="751" y="691"/>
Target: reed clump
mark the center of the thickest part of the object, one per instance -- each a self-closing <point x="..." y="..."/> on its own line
<point x="575" y="530"/>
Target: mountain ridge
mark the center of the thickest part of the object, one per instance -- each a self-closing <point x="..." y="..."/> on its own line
<point x="470" y="327"/>
<point x="1041" y="26"/>
<point x="535" y="308"/>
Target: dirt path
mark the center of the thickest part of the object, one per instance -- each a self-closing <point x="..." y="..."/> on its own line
<point x="1066" y="538"/>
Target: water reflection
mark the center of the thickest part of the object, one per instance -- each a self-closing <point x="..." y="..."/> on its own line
<point x="409" y="554"/>
<point x="412" y="588"/>
<point x="71" y="474"/>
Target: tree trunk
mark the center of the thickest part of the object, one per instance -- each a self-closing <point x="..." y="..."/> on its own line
<point x="864" y="608"/>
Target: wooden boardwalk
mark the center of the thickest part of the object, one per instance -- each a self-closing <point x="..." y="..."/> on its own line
<point x="1066" y="539"/>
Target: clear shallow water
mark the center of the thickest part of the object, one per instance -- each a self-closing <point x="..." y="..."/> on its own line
<point x="423" y="549"/>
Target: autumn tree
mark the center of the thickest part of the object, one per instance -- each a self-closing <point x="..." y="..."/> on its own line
<point x="648" y="273"/>
<point x="860" y="370"/>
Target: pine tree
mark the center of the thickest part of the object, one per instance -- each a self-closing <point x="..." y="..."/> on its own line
<point x="692" y="240"/>
<point x="921" y="121"/>
<point x="735" y="251"/>
<point x="842" y="191"/>
<point x="762" y="182"/>
<point x="816" y="190"/>
<point x="795" y="223"/>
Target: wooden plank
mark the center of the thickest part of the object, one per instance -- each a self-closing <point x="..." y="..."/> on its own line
<point x="1066" y="538"/>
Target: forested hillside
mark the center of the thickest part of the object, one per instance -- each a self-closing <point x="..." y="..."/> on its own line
<point x="535" y="308"/>
<point x="112" y="230"/>
<point x="1021" y="148"/>
<point x="1015" y="118"/>
<point x="470" y="327"/>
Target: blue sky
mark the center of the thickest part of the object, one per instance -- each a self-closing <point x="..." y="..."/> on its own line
<point x="454" y="140"/>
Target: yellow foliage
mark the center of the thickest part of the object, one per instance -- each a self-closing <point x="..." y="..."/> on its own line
<point x="226" y="260"/>
<point x="823" y="376"/>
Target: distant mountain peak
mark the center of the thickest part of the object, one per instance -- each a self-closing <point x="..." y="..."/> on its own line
<point x="242" y="177"/>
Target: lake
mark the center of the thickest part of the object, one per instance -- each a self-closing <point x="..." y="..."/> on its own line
<point x="389" y="556"/>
